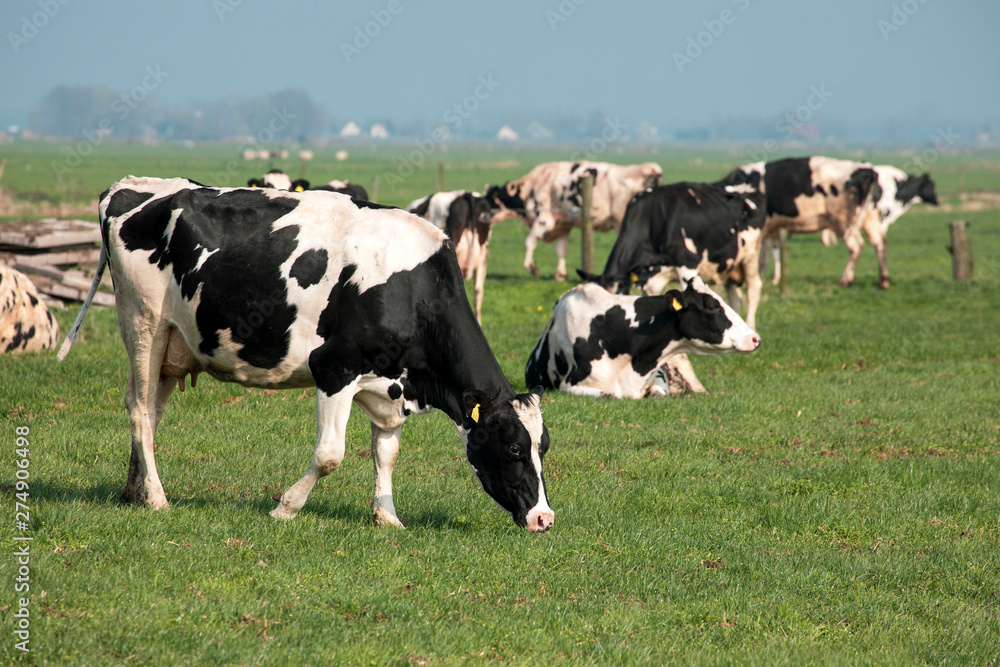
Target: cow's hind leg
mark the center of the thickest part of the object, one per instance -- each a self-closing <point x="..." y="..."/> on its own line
<point x="145" y="399"/>
<point x="854" y="244"/>
<point x="385" y="450"/>
<point x="332" y="413"/>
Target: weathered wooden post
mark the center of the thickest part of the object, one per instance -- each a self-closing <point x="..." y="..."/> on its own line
<point x="374" y="193"/>
<point x="439" y="186"/>
<point x="586" y="224"/>
<point x="783" y="255"/>
<point x="961" y="254"/>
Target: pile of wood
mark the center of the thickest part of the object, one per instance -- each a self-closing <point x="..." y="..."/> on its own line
<point x="48" y="250"/>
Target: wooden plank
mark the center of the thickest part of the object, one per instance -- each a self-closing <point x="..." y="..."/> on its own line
<point x="88" y="254"/>
<point x="49" y="233"/>
<point x="70" y="293"/>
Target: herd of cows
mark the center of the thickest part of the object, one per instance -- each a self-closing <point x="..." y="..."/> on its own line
<point x="280" y="285"/>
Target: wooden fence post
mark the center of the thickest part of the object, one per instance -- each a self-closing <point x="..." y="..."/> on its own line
<point x="374" y="194"/>
<point x="586" y="224"/>
<point x="783" y="255"/>
<point x="961" y="254"/>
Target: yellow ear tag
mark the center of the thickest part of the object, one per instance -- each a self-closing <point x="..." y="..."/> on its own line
<point x="475" y="413"/>
<point x="677" y="304"/>
<point x="634" y="277"/>
<point x="299" y="188"/>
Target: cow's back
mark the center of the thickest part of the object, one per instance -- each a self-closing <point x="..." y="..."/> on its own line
<point x="26" y="325"/>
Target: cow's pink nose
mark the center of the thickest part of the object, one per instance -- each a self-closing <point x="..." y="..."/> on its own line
<point x="541" y="522"/>
<point x="756" y="342"/>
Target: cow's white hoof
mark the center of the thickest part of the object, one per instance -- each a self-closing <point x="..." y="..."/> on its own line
<point x="282" y="512"/>
<point x="157" y="504"/>
<point x="383" y="518"/>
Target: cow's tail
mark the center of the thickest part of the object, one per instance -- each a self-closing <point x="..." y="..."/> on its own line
<point x="102" y="263"/>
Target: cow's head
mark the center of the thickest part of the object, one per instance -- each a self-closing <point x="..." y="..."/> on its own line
<point x="705" y="321"/>
<point x="507" y="195"/>
<point x="917" y="186"/>
<point x="505" y="442"/>
<point x="255" y="183"/>
<point x="742" y="176"/>
<point x="299" y="185"/>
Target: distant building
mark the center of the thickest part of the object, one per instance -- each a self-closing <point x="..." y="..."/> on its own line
<point x="506" y="133"/>
<point x="350" y="130"/>
<point x="378" y="131"/>
<point x="538" y="132"/>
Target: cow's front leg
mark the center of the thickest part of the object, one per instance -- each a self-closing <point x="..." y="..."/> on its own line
<point x="562" y="243"/>
<point x="529" y="252"/>
<point x="385" y="450"/>
<point x="332" y="413"/>
<point x="854" y="244"/>
<point x="682" y="365"/>
<point x="881" y="243"/>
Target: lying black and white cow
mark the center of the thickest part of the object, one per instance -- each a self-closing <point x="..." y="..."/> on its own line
<point x="281" y="290"/>
<point x="343" y="187"/>
<point x="813" y="194"/>
<point x="692" y="229"/>
<point x="465" y="217"/>
<point x="548" y="200"/>
<point x="603" y="344"/>
<point x="26" y="325"/>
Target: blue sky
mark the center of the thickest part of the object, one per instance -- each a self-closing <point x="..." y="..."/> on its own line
<point x="673" y="64"/>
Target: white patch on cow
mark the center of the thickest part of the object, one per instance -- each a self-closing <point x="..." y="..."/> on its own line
<point x="688" y="243"/>
<point x="203" y="256"/>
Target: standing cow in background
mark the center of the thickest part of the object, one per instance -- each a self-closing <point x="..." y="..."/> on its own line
<point x="548" y="200"/>
<point x="336" y="185"/>
<point x="299" y="289"/>
<point x="603" y="344"/>
<point x="465" y="217"/>
<point x="812" y="194"/>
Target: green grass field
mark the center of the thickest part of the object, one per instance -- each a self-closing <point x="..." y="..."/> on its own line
<point x="835" y="499"/>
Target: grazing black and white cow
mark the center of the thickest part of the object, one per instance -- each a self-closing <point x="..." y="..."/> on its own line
<point x="275" y="178"/>
<point x="685" y="229"/>
<point x="26" y="325"/>
<point x="281" y="290"/>
<point x="465" y="217"/>
<point x="548" y="200"/>
<point x="603" y="344"/>
<point x="343" y="187"/>
<point x="812" y="194"/>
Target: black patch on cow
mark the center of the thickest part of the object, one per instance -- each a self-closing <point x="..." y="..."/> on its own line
<point x="418" y="321"/>
<point x="32" y="299"/>
<point x="859" y="185"/>
<point x="394" y="391"/>
<point x="309" y="268"/>
<point x="820" y="189"/>
<point x="784" y="180"/>
<point x="21" y="338"/>
<point x="364" y="203"/>
<point x="834" y="191"/>
<point x="125" y="200"/>
<point x="536" y="371"/>
<point x="242" y="288"/>
<point x="423" y="207"/>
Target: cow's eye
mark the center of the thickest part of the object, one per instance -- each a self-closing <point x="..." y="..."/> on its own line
<point x="515" y="451"/>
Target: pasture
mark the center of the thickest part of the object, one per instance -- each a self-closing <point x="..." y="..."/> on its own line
<point x="835" y="499"/>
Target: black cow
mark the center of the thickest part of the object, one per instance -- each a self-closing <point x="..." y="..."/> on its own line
<point x="686" y="229"/>
<point x="283" y="289"/>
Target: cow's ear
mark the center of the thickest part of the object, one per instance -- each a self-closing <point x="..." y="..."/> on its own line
<point x="588" y="276"/>
<point x="476" y="405"/>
